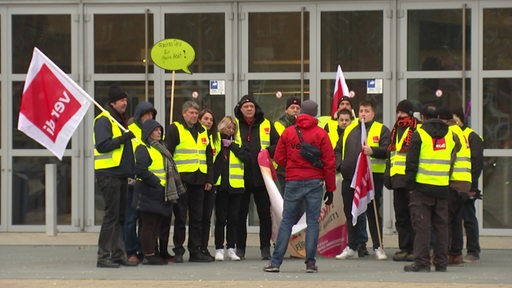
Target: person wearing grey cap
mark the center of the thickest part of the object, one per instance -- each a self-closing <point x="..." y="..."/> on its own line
<point x="304" y="183"/>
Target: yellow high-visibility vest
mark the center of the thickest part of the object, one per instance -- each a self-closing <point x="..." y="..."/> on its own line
<point x="264" y="133"/>
<point x="236" y="171"/>
<point x="190" y="153"/>
<point x="378" y="165"/>
<point x="434" y="160"/>
<point x="462" y="166"/>
<point x="157" y="166"/>
<point x="112" y="158"/>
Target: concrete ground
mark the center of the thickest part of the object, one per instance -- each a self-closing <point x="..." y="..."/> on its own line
<point x="68" y="260"/>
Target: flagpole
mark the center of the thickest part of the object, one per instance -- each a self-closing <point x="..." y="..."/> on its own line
<point x="106" y="112"/>
<point x="377" y="221"/>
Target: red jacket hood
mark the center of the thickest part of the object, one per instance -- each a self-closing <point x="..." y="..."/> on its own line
<point x="306" y="121"/>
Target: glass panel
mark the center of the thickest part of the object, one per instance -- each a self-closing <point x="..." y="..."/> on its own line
<point x="186" y="90"/>
<point x="497" y="203"/>
<point x="136" y="92"/>
<point x="119" y="43"/>
<point x="205" y="32"/>
<point x="497" y="39"/>
<point x="264" y="92"/>
<point x="28" y="190"/>
<point x="497" y="108"/>
<point x="358" y="87"/>
<point x="439" y="92"/>
<point x="352" y="39"/>
<point x="49" y="33"/>
<point x="434" y="40"/>
<point x="19" y="139"/>
<point x="274" y="42"/>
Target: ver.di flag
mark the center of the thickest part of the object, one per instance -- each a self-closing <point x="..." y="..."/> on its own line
<point x="52" y="105"/>
<point x="363" y="181"/>
<point x="340" y="90"/>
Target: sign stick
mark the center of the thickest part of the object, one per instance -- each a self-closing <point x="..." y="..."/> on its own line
<point x="172" y="96"/>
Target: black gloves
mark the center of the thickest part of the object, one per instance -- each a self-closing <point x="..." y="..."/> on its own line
<point x="126" y="136"/>
<point x="328" y="198"/>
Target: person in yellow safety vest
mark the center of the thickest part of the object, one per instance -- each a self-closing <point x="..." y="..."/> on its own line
<point x="288" y="118"/>
<point x="460" y="184"/>
<point x="347" y="151"/>
<point x="255" y="132"/>
<point x="344" y="119"/>
<point x="429" y="160"/>
<point x="207" y="119"/>
<point x="113" y="165"/>
<point x="344" y="103"/>
<point x="229" y="187"/>
<point x="189" y="143"/>
<point x="476" y="145"/>
<point x="394" y="177"/>
<point x="143" y="111"/>
<point x="155" y="189"/>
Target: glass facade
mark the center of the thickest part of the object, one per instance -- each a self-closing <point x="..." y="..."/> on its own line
<point x="432" y="56"/>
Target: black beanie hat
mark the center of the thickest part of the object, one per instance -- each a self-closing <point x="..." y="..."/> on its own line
<point x="245" y="99"/>
<point x="292" y="100"/>
<point x="115" y="93"/>
<point x="445" y="113"/>
<point x="345" y="98"/>
<point x="459" y="113"/>
<point x="405" y="106"/>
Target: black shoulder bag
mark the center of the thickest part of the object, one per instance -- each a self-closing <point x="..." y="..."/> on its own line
<point x="309" y="151"/>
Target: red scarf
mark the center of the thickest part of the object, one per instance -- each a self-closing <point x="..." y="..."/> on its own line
<point x="408" y="121"/>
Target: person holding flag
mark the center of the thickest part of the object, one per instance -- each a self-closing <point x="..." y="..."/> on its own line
<point x="113" y="165"/>
<point x="347" y="150"/>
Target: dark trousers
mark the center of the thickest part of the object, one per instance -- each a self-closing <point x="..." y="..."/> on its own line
<point x="131" y="216"/>
<point x="149" y="231"/>
<point x="110" y="241"/>
<point x="403" y="219"/>
<point x="455" y="233"/>
<point x="227" y="216"/>
<point x="471" y="227"/>
<point x="191" y="202"/>
<point x="163" y="234"/>
<point x="429" y="214"/>
<point x="262" y="202"/>
<point x="208" y="203"/>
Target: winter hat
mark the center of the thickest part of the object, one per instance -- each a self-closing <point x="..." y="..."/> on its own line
<point x="292" y="100"/>
<point x="445" y="113"/>
<point x="309" y="107"/>
<point x="459" y="113"/>
<point x="345" y="98"/>
<point x="405" y="106"/>
<point x="245" y="99"/>
<point x="116" y="93"/>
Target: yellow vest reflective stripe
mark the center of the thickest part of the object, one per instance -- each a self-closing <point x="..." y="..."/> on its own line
<point x="215" y="146"/>
<point x="137" y="131"/>
<point x="349" y="129"/>
<point x="373" y="138"/>
<point x="279" y="127"/>
<point x="264" y="133"/>
<point x="434" y="162"/>
<point x="397" y="159"/>
<point x="157" y="165"/>
<point x="462" y="166"/>
<point x="333" y="132"/>
<point x="190" y="153"/>
<point x="236" y="171"/>
<point x="111" y="158"/>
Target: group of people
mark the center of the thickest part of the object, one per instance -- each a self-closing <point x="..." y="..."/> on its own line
<point x="198" y="166"/>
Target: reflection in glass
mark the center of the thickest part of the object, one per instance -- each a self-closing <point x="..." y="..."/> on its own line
<point x="49" y="33"/>
<point x="497" y="203"/>
<point x="358" y="86"/>
<point x="184" y="91"/>
<point x="119" y="43"/>
<point x="274" y="42"/>
<point x="434" y="40"/>
<point x="438" y="92"/>
<point x="497" y="39"/>
<point x="497" y="109"/>
<point x="19" y="139"/>
<point x="28" y="190"/>
<point x="264" y="92"/>
<point x="205" y="32"/>
<point x="352" y="39"/>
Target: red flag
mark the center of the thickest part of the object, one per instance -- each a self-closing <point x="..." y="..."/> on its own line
<point x="340" y="90"/>
<point x="52" y="105"/>
<point x="362" y="182"/>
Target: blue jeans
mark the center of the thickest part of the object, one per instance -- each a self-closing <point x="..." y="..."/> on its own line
<point x="296" y="192"/>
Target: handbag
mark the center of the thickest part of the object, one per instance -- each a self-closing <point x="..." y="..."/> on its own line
<point x="309" y="151"/>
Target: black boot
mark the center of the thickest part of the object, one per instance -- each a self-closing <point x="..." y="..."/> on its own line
<point x="178" y="255"/>
<point x="198" y="256"/>
<point x="265" y="253"/>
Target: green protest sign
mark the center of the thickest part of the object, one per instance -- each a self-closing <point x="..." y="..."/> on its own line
<point x="173" y="54"/>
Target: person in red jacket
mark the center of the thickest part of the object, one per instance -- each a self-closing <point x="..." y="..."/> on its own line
<point x="304" y="182"/>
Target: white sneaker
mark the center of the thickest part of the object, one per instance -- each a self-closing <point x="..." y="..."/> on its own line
<point x="380" y="254"/>
<point x="219" y="255"/>
<point x="347" y="253"/>
<point x="232" y="255"/>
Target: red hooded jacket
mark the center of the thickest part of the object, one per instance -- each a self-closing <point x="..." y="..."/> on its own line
<point x="288" y="155"/>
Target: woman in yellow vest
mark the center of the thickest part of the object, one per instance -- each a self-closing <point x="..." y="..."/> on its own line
<point x="229" y="176"/>
<point x="158" y="186"/>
